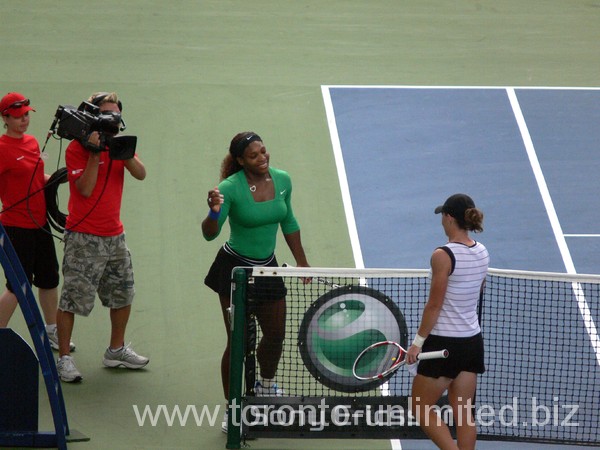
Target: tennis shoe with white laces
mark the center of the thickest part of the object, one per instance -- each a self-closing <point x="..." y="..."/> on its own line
<point x="65" y="366"/>
<point x="53" y="338"/>
<point x="268" y="391"/>
<point x="125" y="357"/>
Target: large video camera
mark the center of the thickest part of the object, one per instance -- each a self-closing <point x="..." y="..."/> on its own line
<point x="71" y="123"/>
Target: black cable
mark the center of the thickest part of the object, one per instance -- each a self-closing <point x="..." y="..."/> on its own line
<point x="29" y="193"/>
<point x="37" y="164"/>
<point x="50" y="184"/>
<point x="56" y="218"/>
<point x="110" y="161"/>
<point x="24" y="199"/>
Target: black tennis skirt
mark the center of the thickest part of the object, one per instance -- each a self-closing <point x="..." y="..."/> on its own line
<point x="219" y="276"/>
<point x="465" y="355"/>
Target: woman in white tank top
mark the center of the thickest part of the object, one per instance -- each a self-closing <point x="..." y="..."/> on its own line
<point x="450" y="321"/>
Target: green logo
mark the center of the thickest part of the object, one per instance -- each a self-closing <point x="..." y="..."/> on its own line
<point x="341" y="324"/>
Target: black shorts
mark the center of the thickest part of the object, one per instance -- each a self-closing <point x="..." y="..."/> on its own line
<point x="36" y="251"/>
<point x="465" y="355"/>
<point x="262" y="289"/>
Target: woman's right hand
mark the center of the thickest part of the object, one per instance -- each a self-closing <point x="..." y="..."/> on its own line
<point x="412" y="354"/>
<point x="215" y="199"/>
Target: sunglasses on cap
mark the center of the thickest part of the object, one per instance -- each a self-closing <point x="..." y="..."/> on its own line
<point x="17" y="105"/>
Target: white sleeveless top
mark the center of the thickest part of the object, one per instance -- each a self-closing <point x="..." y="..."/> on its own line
<point x="458" y="317"/>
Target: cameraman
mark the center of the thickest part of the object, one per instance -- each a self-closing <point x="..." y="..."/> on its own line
<point x="96" y="257"/>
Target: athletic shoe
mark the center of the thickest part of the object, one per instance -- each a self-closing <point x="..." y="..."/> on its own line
<point x="225" y="422"/>
<point x="67" y="371"/>
<point x="53" y="338"/>
<point x="268" y="391"/>
<point x="125" y="357"/>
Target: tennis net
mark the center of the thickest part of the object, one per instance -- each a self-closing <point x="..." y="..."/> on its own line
<point x="542" y="380"/>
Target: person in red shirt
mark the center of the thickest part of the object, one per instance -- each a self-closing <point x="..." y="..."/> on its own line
<point x="96" y="257"/>
<point x="23" y="215"/>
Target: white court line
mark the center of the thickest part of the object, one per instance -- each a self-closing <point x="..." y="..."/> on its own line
<point x="584" y="308"/>
<point x="342" y="177"/>
<point x="582" y="235"/>
<point x="541" y="182"/>
<point x="392" y="86"/>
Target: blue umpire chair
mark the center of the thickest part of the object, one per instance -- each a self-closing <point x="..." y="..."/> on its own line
<point x="19" y="371"/>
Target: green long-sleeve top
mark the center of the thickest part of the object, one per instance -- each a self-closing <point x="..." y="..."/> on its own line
<point x="254" y="224"/>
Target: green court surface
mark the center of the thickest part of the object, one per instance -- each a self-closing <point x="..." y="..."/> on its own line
<point x="191" y="74"/>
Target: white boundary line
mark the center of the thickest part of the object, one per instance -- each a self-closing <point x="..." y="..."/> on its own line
<point x="546" y="88"/>
<point x="541" y="182"/>
<point x="584" y="309"/>
<point x="343" y="179"/>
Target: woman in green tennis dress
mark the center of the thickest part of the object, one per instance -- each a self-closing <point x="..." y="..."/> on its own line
<point x="257" y="200"/>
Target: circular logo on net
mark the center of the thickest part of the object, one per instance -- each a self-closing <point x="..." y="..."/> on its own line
<point x="339" y="325"/>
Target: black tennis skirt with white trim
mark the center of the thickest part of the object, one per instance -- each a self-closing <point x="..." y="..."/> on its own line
<point x="262" y="289"/>
<point x="465" y="355"/>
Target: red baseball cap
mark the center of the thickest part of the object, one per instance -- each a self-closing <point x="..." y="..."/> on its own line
<point x="14" y="104"/>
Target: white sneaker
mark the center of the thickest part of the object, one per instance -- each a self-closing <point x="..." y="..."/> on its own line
<point x="225" y="422"/>
<point x="268" y="391"/>
<point x="125" y="357"/>
<point x="67" y="371"/>
<point x="53" y="338"/>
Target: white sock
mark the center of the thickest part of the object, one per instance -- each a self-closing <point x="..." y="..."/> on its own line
<point x="267" y="382"/>
<point x="50" y="328"/>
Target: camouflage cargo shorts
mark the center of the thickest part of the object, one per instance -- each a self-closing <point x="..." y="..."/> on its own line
<point x="96" y="264"/>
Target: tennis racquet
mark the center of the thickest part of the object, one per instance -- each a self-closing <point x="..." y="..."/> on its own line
<point x="382" y="358"/>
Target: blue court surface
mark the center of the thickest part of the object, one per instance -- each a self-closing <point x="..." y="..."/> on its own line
<point x="528" y="157"/>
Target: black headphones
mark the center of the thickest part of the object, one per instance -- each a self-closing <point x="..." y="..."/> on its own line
<point x="100" y="96"/>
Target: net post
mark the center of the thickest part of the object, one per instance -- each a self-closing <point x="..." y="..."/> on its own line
<point x="237" y="317"/>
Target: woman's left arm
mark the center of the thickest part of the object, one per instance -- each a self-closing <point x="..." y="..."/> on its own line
<point x="295" y="244"/>
<point x="441" y="265"/>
